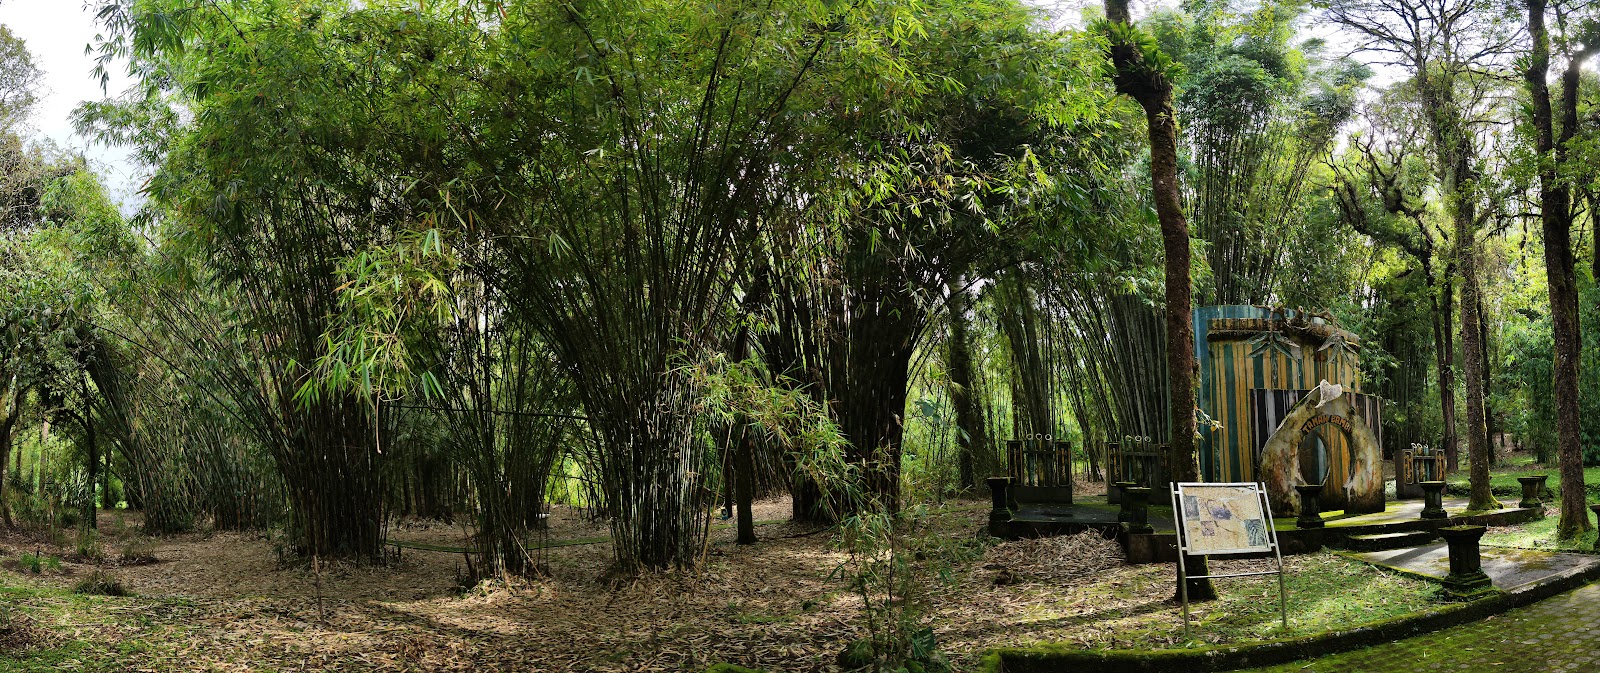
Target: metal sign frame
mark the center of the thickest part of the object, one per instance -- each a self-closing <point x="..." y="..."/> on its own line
<point x="1183" y="549"/>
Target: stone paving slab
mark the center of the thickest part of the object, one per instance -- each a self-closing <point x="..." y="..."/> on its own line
<point x="1403" y="511"/>
<point x="1510" y="569"/>
<point x="1558" y="634"/>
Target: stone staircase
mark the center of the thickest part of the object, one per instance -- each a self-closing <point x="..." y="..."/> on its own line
<point x="1387" y="541"/>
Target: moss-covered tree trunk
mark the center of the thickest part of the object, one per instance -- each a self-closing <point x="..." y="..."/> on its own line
<point x="1472" y="358"/>
<point x="1444" y="353"/>
<point x="973" y="437"/>
<point x="1455" y="149"/>
<point x="7" y="433"/>
<point x="1555" y="210"/>
<point x="1141" y="78"/>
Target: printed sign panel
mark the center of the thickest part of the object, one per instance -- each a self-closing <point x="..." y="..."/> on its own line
<point x="1223" y="519"/>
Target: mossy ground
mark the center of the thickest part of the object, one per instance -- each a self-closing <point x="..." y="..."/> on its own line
<point x="1539" y="534"/>
<point x="1504" y="485"/>
<point x="66" y="629"/>
<point x="1557" y="634"/>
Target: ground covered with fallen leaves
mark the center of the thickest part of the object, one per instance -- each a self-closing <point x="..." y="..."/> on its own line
<point x="226" y="602"/>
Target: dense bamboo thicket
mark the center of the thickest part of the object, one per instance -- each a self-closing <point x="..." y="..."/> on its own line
<point x="475" y="261"/>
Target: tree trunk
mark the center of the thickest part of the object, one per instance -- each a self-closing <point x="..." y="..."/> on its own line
<point x="973" y="433"/>
<point x="1594" y="235"/>
<point x="90" y="518"/>
<point x="1555" y="207"/>
<point x="728" y="485"/>
<point x="1455" y="149"/>
<point x="806" y="504"/>
<point x="330" y="471"/>
<point x="105" y="483"/>
<point x="7" y="434"/>
<point x="1472" y="362"/>
<point x="1490" y="419"/>
<point x="1444" y="354"/>
<point x="1153" y="91"/>
<point x="744" y="481"/>
<point x="870" y="402"/>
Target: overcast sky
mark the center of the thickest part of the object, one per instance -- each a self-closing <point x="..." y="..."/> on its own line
<point x="57" y="31"/>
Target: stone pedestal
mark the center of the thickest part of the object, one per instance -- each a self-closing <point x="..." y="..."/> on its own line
<point x="1136" y="506"/>
<point x="1310" y="509"/>
<point x="1596" y="510"/>
<point x="1000" y="504"/>
<point x="1532" y="491"/>
<point x="1125" y="513"/>
<point x="1466" y="578"/>
<point x="1114" y="492"/>
<point x="1121" y="490"/>
<point x="1433" y="500"/>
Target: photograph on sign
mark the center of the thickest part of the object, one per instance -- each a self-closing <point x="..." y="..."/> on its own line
<point x="1223" y="519"/>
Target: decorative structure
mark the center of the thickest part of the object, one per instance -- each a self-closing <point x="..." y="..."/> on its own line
<point x="1532" y="490"/>
<point x="1040" y="467"/>
<point x="1000" y="507"/>
<point x="1138" y="460"/>
<point x="1257" y="365"/>
<point x="1415" y="465"/>
<point x="1466" y="579"/>
<point x="1325" y="412"/>
<point x="1433" y="500"/>
<point x="1310" y="511"/>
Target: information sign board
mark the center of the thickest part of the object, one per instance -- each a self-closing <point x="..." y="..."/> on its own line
<point x="1224" y="519"/>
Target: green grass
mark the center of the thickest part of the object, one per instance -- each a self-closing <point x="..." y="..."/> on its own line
<point x="1503" y="481"/>
<point x="38" y="563"/>
<point x="1327" y="593"/>
<point x="1539" y="534"/>
<point x="47" y="607"/>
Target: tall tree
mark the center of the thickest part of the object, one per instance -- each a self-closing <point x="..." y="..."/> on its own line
<point x="972" y="436"/>
<point x="1386" y="174"/>
<point x="1556" y="216"/>
<point x="1143" y="72"/>
<point x="1443" y="44"/>
<point x="19" y="80"/>
<point x="1258" y="113"/>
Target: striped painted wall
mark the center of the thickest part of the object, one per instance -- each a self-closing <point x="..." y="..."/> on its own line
<point x="1228" y="374"/>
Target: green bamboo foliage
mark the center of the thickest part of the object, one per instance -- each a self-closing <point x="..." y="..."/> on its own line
<point x="1259" y="114"/>
<point x="507" y="421"/>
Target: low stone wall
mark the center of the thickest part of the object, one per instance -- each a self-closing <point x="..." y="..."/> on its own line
<point x="1163" y="547"/>
<point x="1055" y="658"/>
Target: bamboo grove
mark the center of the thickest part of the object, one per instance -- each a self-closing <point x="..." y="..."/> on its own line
<point x="463" y="260"/>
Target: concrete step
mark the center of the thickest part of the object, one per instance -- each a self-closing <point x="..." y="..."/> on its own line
<point x="1386" y="541"/>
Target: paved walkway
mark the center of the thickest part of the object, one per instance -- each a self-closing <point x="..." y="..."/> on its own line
<point x="1556" y="634"/>
<point x="1510" y="569"/>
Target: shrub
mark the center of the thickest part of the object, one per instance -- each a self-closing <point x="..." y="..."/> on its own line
<point x="88" y="547"/>
<point x="138" y="551"/>
<point x="100" y="583"/>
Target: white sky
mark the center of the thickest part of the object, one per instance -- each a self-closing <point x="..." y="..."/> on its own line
<point x="57" y="31"/>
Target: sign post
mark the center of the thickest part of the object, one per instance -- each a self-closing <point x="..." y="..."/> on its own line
<point x="1222" y="520"/>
